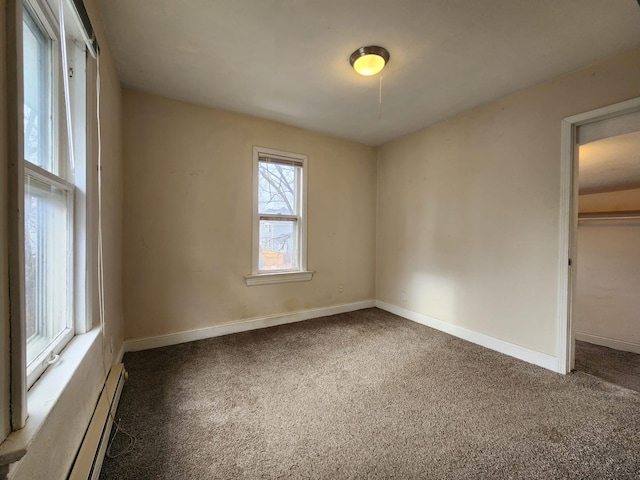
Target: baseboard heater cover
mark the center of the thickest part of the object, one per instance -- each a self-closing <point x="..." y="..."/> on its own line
<point x="88" y="462"/>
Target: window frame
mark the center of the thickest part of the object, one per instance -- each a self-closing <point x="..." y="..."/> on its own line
<point x="80" y="34"/>
<point x="258" y="276"/>
<point x="70" y="178"/>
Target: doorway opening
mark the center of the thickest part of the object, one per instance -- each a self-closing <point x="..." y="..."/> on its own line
<point x="599" y="328"/>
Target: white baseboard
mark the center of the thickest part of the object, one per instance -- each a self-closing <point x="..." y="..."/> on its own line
<point x="607" y="342"/>
<point x="531" y="356"/>
<point x="136" y="344"/>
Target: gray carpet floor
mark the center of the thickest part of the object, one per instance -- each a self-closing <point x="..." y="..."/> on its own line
<point x="366" y="395"/>
<point x="615" y="366"/>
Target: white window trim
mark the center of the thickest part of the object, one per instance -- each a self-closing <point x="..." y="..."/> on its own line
<point x="22" y="399"/>
<point x="42" y="398"/>
<point x="48" y="21"/>
<point x="301" y="274"/>
<point x="284" y="277"/>
<point x="80" y="294"/>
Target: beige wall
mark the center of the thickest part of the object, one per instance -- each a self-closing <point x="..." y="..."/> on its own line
<point x="608" y="280"/>
<point x="608" y="272"/>
<point x="188" y="218"/>
<point x="4" y="271"/>
<point x="112" y="189"/>
<point x="53" y="449"/>
<point x="468" y="209"/>
<point x="623" y="200"/>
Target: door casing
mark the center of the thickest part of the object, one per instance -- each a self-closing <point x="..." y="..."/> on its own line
<point x="568" y="261"/>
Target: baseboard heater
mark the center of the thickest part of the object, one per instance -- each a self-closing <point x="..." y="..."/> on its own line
<point x="88" y="462"/>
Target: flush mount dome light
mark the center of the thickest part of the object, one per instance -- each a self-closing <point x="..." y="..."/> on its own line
<point x="370" y="60"/>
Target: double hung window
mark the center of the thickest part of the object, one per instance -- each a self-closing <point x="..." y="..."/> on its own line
<point x="279" y="244"/>
<point x="50" y="187"/>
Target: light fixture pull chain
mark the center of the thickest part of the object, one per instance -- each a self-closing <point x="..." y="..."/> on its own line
<point x="380" y="100"/>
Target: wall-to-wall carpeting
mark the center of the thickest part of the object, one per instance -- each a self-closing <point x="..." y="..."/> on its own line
<point x="366" y="394"/>
<point x="615" y="366"/>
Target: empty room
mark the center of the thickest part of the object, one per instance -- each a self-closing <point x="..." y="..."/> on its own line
<point x="319" y="239"/>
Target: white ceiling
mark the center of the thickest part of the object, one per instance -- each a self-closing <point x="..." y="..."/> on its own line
<point x="287" y="60"/>
<point x="610" y="164"/>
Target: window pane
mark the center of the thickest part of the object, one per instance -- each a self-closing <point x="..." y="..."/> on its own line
<point x="47" y="252"/>
<point x="37" y="94"/>
<point x="277" y="188"/>
<point x="278" y="245"/>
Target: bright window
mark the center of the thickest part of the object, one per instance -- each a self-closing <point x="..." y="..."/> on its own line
<point x="48" y="246"/>
<point x="49" y="188"/>
<point x="38" y="93"/>
<point x="279" y="212"/>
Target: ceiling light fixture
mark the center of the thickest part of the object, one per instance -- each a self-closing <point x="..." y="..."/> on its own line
<point x="370" y="60"/>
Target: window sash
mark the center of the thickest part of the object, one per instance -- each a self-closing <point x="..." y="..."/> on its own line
<point x="296" y="219"/>
<point x="281" y="253"/>
<point x="61" y="327"/>
<point x="53" y="314"/>
<point x="296" y="198"/>
<point x="52" y="294"/>
<point x="42" y="127"/>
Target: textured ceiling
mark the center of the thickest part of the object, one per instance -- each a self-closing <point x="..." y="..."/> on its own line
<point x="610" y="164"/>
<point x="287" y="60"/>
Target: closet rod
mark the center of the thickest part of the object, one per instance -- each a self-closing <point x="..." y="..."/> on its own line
<point x="609" y="216"/>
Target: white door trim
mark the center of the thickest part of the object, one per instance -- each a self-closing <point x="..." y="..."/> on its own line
<point x="569" y="221"/>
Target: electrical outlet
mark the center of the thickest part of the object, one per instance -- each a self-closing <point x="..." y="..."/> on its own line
<point x="403" y="296"/>
<point x="341" y="288"/>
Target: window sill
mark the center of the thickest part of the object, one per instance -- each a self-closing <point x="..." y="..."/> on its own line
<point x="43" y="396"/>
<point x="284" y="277"/>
